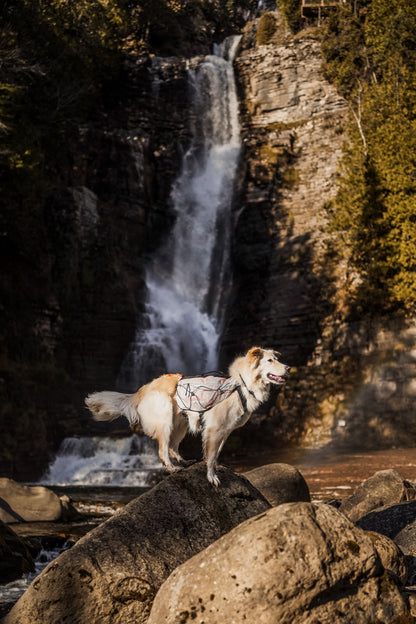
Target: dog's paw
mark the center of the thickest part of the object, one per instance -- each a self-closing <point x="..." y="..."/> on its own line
<point x="188" y="462"/>
<point x="173" y="469"/>
<point x="212" y="478"/>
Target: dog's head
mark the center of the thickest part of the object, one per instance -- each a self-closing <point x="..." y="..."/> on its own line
<point x="267" y="363"/>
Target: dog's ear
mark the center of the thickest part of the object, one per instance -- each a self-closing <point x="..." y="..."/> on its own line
<point x="255" y="354"/>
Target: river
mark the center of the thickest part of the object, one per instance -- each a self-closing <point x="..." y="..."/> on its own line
<point x="332" y="474"/>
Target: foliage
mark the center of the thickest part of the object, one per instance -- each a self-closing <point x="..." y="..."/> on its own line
<point x="292" y="11"/>
<point x="265" y="29"/>
<point x="372" y="60"/>
<point x="188" y="27"/>
<point x="343" y="48"/>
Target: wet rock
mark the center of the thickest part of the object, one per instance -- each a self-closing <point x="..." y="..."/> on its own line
<point x="22" y="503"/>
<point x="113" y="573"/>
<point x="385" y="487"/>
<point x="298" y="562"/>
<point x="15" y="555"/>
<point x="279" y="483"/>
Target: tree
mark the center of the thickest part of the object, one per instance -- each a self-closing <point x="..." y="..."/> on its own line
<point x="374" y="211"/>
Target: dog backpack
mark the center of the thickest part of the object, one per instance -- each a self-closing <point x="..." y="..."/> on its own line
<point x="199" y="394"/>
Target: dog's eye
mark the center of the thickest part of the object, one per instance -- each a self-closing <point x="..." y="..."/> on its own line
<point x="270" y="360"/>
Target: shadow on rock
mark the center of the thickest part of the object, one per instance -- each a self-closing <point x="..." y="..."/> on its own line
<point x="113" y="573"/>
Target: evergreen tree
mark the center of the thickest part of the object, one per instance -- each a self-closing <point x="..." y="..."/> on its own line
<point x="374" y="211"/>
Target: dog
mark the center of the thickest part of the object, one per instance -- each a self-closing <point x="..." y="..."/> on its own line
<point x="158" y="409"/>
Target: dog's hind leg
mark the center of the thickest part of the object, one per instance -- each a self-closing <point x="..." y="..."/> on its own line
<point x="164" y="456"/>
<point x="176" y="437"/>
<point x="156" y="418"/>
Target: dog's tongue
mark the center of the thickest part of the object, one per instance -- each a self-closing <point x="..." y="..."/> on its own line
<point x="276" y="378"/>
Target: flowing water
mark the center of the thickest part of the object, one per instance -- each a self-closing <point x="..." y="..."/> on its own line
<point x="187" y="278"/>
<point x="100" y="461"/>
<point x="11" y="592"/>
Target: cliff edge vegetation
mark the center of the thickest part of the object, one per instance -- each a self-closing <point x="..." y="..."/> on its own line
<point x="369" y="54"/>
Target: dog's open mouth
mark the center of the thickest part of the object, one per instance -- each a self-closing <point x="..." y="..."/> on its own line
<point x="276" y="378"/>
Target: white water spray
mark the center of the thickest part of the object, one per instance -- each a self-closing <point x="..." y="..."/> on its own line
<point x="184" y="312"/>
<point x="127" y="461"/>
<point x="182" y="324"/>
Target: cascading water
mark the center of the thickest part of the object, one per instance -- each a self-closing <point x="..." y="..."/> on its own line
<point x="185" y="281"/>
<point x="183" y="319"/>
<point x="127" y="461"/>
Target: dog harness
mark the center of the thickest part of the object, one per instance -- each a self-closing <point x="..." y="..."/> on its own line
<point x="199" y="394"/>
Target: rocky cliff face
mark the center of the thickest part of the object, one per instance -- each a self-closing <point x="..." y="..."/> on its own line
<point x="105" y="214"/>
<point x="354" y="381"/>
<point x="113" y="211"/>
<point x="293" y="123"/>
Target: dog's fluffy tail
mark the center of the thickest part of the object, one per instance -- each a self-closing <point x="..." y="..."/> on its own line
<point x="110" y="405"/>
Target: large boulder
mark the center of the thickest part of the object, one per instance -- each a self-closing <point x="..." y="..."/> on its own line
<point x="385" y="487"/>
<point x="23" y="503"/>
<point x="15" y="555"/>
<point x="391" y="556"/>
<point x="280" y="483"/>
<point x="113" y="573"/>
<point x="398" y="522"/>
<point x="390" y="520"/>
<point x="298" y="562"/>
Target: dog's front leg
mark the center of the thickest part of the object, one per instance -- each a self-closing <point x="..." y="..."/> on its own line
<point x="213" y="443"/>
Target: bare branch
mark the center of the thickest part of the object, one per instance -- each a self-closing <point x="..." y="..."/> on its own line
<point x="357" y="117"/>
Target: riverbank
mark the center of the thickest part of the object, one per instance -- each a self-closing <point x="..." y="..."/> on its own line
<point x="330" y="475"/>
<point x="127" y="569"/>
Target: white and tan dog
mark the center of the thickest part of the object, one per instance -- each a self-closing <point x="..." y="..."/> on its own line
<point x="155" y="407"/>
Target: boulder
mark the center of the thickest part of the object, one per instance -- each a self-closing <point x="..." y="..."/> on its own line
<point x="298" y="562"/>
<point x="23" y="503"/>
<point x="113" y="573"/>
<point x="385" y="487"/>
<point x="391" y="556"/>
<point x="279" y="483"/>
<point x="15" y="556"/>
<point x="390" y="520"/>
<point x="398" y="522"/>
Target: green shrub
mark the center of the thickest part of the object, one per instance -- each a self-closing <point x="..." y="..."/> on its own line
<point x="292" y="12"/>
<point x="265" y="29"/>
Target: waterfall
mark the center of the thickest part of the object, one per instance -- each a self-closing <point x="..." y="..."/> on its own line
<point x="127" y="461"/>
<point x="186" y="278"/>
<point x="186" y="281"/>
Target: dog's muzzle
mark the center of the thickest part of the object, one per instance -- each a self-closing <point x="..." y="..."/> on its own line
<point x="279" y="379"/>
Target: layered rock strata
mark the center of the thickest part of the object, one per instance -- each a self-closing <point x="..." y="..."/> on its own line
<point x="292" y="128"/>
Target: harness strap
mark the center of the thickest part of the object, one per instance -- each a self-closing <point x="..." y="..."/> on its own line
<point x="248" y="389"/>
<point x="242" y="397"/>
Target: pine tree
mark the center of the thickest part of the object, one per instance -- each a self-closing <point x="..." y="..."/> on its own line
<point x="374" y="211"/>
